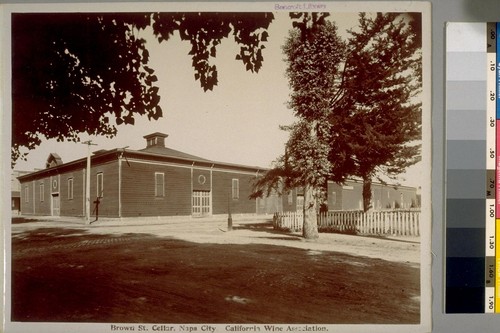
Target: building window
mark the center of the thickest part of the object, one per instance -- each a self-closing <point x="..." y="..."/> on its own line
<point x="152" y="141"/>
<point x="100" y="185"/>
<point x="159" y="184"/>
<point x="235" y="188"/>
<point x="290" y="197"/>
<point x="300" y="203"/>
<point x="26" y="194"/>
<point x="42" y="192"/>
<point x="70" y="188"/>
<point x="334" y="198"/>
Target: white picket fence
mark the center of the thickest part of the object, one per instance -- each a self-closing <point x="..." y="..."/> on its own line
<point x="289" y="221"/>
<point x="382" y="222"/>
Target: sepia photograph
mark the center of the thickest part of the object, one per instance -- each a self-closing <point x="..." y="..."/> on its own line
<point x="217" y="167"/>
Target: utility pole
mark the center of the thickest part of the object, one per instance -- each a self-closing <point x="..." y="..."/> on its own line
<point x="87" y="182"/>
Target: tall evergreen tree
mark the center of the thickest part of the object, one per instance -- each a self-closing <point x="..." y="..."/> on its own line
<point x="380" y="124"/>
<point x="357" y="106"/>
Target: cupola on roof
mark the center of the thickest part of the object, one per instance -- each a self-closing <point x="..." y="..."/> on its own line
<point x="155" y="143"/>
<point x="155" y="139"/>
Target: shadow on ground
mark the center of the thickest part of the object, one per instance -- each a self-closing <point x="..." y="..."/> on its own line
<point x="20" y="220"/>
<point x="69" y="275"/>
<point x="268" y="229"/>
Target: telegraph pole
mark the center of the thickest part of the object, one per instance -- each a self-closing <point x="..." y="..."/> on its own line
<point x="87" y="182"/>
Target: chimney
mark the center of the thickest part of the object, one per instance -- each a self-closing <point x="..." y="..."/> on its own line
<point x="156" y="139"/>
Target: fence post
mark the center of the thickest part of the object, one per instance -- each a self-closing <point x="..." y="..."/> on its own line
<point x="407" y="224"/>
<point x="363" y="223"/>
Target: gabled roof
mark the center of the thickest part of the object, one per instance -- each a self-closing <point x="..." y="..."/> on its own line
<point x="53" y="160"/>
<point x="155" y="152"/>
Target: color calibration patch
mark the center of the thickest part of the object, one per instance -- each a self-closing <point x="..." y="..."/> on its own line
<point x="472" y="168"/>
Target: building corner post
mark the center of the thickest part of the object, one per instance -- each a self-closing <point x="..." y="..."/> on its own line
<point x="87" y="187"/>
<point x="120" y="185"/>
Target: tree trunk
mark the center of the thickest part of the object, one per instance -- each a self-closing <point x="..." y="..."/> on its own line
<point x="367" y="193"/>
<point x="310" y="224"/>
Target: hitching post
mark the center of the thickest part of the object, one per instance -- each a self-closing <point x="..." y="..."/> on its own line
<point x="229" y="218"/>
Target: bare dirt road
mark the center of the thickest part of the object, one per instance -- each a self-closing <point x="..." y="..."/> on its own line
<point x="192" y="272"/>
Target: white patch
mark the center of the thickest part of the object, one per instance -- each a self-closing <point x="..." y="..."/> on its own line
<point x="237" y="299"/>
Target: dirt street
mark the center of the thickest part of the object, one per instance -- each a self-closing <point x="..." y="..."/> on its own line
<point x="195" y="272"/>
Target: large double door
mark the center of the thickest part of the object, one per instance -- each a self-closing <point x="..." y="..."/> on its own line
<point x="201" y="203"/>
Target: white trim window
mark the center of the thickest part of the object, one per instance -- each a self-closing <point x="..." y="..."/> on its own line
<point x="26" y="194"/>
<point x="152" y="141"/>
<point x="100" y="185"/>
<point x="42" y="192"/>
<point x="300" y="203"/>
<point x="290" y="197"/>
<point x="334" y="198"/>
<point x="235" y="188"/>
<point x="70" y="188"/>
<point x="159" y="184"/>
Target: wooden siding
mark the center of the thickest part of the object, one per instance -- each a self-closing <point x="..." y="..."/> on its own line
<point x="201" y="180"/>
<point x="138" y="190"/>
<point x="44" y="207"/>
<point x="26" y="206"/>
<point x="129" y="189"/>
<point x="275" y="203"/>
<point x="270" y="205"/>
<point x="287" y="205"/>
<point x="335" y="196"/>
<point x="108" y="206"/>
<point x="222" y="184"/>
<point x="349" y="196"/>
<point x="55" y="185"/>
<point x="35" y="204"/>
<point x="73" y="206"/>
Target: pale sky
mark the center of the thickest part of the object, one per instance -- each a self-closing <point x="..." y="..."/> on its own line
<point x="238" y="122"/>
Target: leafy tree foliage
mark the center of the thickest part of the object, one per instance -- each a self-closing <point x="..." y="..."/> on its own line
<point x="73" y="71"/>
<point x="313" y="52"/>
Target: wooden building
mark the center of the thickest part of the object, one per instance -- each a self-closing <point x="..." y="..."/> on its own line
<point x="349" y="196"/>
<point x="15" y="188"/>
<point x="159" y="181"/>
<point x="154" y="181"/>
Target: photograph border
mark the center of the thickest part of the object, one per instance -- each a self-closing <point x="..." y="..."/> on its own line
<point x="387" y="6"/>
